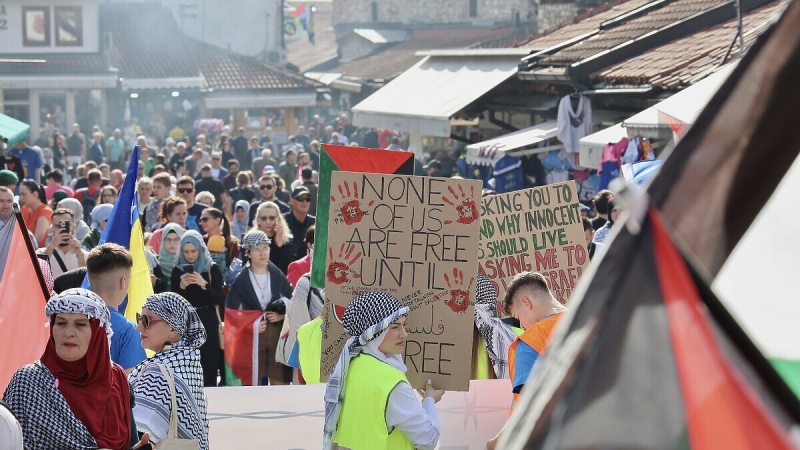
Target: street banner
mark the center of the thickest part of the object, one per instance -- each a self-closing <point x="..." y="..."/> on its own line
<point x="414" y="238"/>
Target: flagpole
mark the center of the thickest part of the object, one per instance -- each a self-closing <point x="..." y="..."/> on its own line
<point x="31" y="251"/>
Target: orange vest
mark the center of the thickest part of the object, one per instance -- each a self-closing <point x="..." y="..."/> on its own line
<point x="537" y="336"/>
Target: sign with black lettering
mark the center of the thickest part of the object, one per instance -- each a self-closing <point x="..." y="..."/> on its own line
<point x="537" y="229"/>
<point x="415" y="238"/>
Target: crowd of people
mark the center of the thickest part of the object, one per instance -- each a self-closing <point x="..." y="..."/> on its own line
<point x="227" y="225"/>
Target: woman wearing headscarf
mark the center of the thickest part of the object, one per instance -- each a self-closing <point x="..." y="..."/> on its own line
<point x="167" y="256"/>
<point x="261" y="286"/>
<point x="196" y="278"/>
<point x="369" y="402"/>
<point x="170" y="326"/>
<point x="492" y="337"/>
<point x="240" y="217"/>
<point x="614" y="210"/>
<point x="81" y="228"/>
<point x="74" y="396"/>
<point x="173" y="210"/>
<point x="271" y="222"/>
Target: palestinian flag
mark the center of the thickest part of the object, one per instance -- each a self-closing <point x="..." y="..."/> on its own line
<point x="241" y="346"/>
<point x="348" y="159"/>
<point x="664" y="345"/>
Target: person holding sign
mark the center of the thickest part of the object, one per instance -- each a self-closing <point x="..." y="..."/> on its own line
<point x="492" y="337"/>
<point x="529" y="299"/>
<point x="369" y="403"/>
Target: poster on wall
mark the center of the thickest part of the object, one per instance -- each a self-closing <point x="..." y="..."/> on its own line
<point x="412" y="237"/>
<point x="537" y="229"/>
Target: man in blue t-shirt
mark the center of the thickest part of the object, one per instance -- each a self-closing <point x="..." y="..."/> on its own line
<point x="109" y="269"/>
<point x="30" y="158"/>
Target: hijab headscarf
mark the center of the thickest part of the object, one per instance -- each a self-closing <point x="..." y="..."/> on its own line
<point x="183" y="360"/>
<point x="203" y="263"/>
<point x="497" y="335"/>
<point x="95" y="390"/>
<point x="239" y="227"/>
<point x="366" y="318"/>
<point x="166" y="260"/>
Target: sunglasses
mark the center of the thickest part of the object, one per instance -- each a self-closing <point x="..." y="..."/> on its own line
<point x="185" y="190"/>
<point x="268" y="218"/>
<point x="266" y="186"/>
<point x="304" y="199"/>
<point x="146" y="321"/>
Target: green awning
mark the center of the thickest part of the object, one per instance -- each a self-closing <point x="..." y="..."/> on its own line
<point x="13" y="129"/>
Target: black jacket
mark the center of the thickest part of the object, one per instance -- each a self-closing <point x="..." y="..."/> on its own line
<point x="242" y="294"/>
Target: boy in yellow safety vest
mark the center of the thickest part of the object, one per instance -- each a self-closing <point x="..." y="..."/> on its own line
<point x="369" y="403"/>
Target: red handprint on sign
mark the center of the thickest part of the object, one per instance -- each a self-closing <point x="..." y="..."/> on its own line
<point x="338" y="271"/>
<point x="350" y="210"/>
<point x="459" y="294"/>
<point x="465" y="205"/>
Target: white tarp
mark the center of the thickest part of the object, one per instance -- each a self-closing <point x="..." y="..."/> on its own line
<point x="488" y="152"/>
<point x="422" y="99"/>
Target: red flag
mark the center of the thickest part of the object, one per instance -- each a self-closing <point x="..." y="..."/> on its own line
<point x="241" y="346"/>
<point x="24" y="328"/>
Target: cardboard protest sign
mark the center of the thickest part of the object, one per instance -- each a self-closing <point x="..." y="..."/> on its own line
<point x="334" y="158"/>
<point x="415" y="238"/>
<point x="537" y="229"/>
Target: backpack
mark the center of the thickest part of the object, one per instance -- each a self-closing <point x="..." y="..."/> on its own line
<point x="88" y="202"/>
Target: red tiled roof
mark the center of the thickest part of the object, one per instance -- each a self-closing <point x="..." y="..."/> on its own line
<point x="682" y="62"/>
<point x="61" y="64"/>
<point x="608" y="39"/>
<point x="580" y="25"/>
<point x="226" y="70"/>
<point x="147" y="41"/>
<point x="395" y="60"/>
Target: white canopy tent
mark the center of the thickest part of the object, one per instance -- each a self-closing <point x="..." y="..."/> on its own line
<point x="681" y="108"/>
<point x="422" y="99"/>
<point x="488" y="152"/>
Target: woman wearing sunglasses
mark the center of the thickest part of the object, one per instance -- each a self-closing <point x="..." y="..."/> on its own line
<point x="171" y="327"/>
<point x="271" y="222"/>
<point x="197" y="279"/>
<point x="222" y="245"/>
<point x="262" y="287"/>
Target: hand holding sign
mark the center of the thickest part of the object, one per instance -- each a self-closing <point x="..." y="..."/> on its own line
<point x="465" y="206"/>
<point x="340" y="268"/>
<point x="350" y="210"/>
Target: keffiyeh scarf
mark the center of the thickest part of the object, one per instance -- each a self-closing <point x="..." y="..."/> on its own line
<point x="365" y="319"/>
<point x="497" y="335"/>
<point x="182" y="359"/>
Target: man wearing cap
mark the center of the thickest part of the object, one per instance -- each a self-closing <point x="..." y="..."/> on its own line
<point x="434" y="168"/>
<point x="100" y="215"/>
<point x="307" y="175"/>
<point x="9" y="179"/>
<point x="9" y="162"/>
<point x="299" y="219"/>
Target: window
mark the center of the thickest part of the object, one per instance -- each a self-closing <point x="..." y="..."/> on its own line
<point x="35" y="26"/>
<point x="473" y="8"/>
<point x="69" y="26"/>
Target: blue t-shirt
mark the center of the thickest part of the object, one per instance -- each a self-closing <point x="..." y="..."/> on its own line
<point x="31" y="161"/>
<point x="526" y="357"/>
<point x="126" y="343"/>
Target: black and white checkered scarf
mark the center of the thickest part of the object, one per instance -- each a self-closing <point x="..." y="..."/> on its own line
<point x="33" y="395"/>
<point x="365" y="318"/>
<point x="182" y="358"/>
<point x="495" y="332"/>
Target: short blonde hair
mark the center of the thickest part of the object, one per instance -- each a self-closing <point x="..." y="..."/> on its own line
<point x="205" y="197"/>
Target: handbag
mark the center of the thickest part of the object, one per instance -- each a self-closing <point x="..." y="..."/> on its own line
<point x="172" y="442"/>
